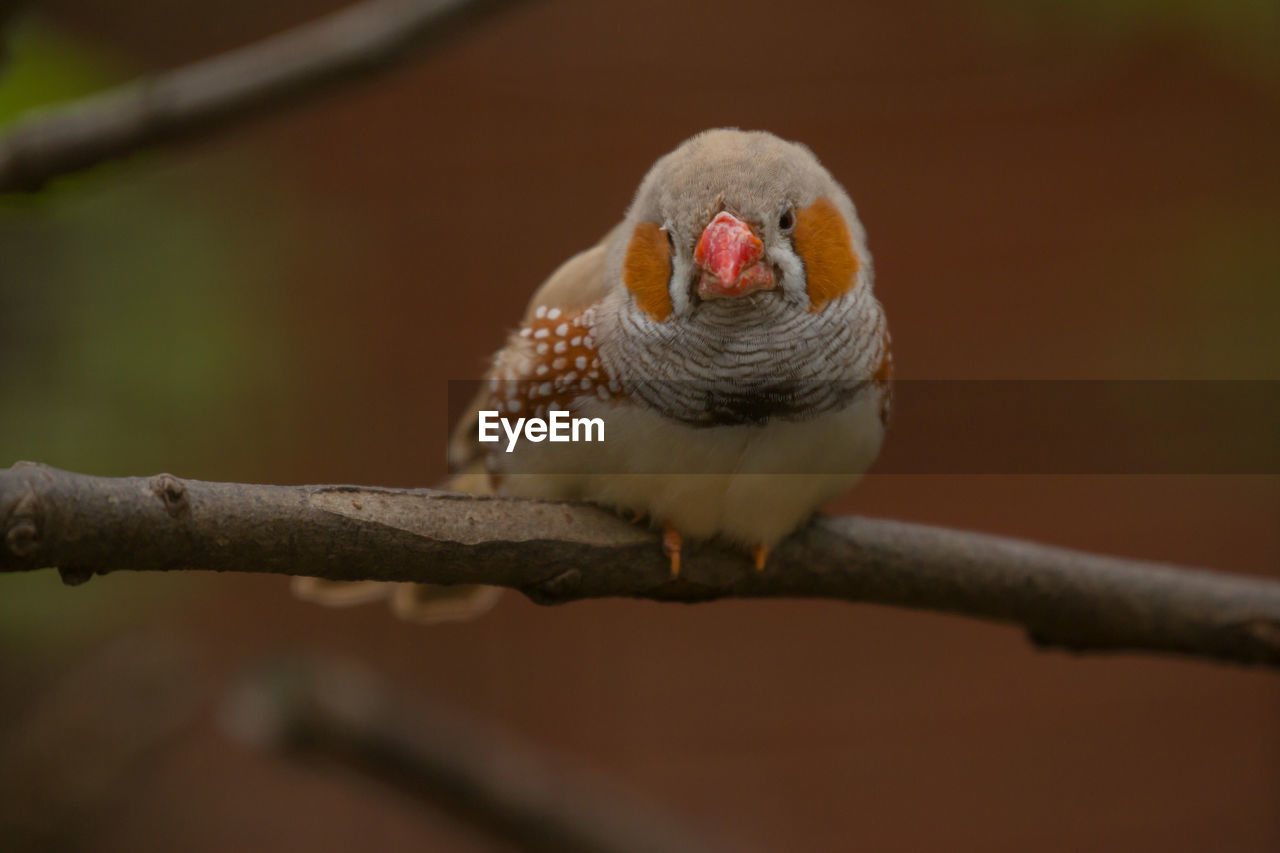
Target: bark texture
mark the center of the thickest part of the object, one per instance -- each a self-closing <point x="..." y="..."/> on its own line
<point x="559" y="552"/>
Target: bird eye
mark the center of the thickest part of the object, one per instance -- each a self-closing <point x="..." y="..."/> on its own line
<point x="787" y="221"/>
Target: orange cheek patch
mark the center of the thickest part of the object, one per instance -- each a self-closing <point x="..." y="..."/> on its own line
<point x="823" y="243"/>
<point x="646" y="270"/>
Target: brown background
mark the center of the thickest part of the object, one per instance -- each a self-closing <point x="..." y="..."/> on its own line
<point x="1046" y="197"/>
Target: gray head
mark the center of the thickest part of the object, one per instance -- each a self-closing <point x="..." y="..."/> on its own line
<point x="742" y="264"/>
<point x="743" y="216"/>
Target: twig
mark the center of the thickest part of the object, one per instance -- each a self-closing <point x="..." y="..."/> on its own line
<point x="558" y="552"/>
<point x="216" y="92"/>
<point x="498" y="783"/>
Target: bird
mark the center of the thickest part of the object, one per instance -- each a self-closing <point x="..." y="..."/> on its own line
<point x="726" y="334"/>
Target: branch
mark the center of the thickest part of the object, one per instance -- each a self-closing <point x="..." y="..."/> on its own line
<point x="498" y="783"/>
<point x="558" y="552"/>
<point x="220" y="91"/>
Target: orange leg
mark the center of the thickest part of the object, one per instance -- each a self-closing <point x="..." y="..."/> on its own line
<point x="760" y="556"/>
<point x="671" y="542"/>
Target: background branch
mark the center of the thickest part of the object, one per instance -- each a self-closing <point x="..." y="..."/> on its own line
<point x="517" y="792"/>
<point x="558" y="552"/>
<point x="219" y="91"/>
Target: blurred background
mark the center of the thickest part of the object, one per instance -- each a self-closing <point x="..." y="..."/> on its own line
<point x="1085" y="190"/>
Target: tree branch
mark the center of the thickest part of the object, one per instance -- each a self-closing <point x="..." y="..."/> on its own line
<point x="219" y="91"/>
<point x="558" y="552"/>
<point x="498" y="783"/>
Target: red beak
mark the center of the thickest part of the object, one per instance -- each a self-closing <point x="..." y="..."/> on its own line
<point x="729" y="255"/>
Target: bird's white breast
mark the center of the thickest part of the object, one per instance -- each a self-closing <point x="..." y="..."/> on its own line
<point x="749" y="484"/>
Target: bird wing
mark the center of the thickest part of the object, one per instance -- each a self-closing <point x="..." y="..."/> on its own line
<point x="577" y="283"/>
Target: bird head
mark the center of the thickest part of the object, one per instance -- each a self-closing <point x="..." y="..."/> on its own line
<point x="739" y="217"/>
<point x="740" y="286"/>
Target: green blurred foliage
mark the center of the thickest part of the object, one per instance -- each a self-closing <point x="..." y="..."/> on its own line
<point x="139" y="331"/>
<point x="43" y="68"/>
<point x="1234" y="272"/>
<point x="1221" y="322"/>
<point x="128" y="332"/>
<point x="1244" y="34"/>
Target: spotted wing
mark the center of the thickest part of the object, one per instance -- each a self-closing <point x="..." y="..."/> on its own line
<point x="576" y="285"/>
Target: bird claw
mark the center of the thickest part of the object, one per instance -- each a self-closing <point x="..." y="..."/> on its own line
<point x="760" y="556"/>
<point x="671" y="542"/>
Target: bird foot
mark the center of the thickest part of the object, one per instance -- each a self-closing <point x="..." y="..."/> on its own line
<point x="671" y="542"/>
<point x="760" y="556"/>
